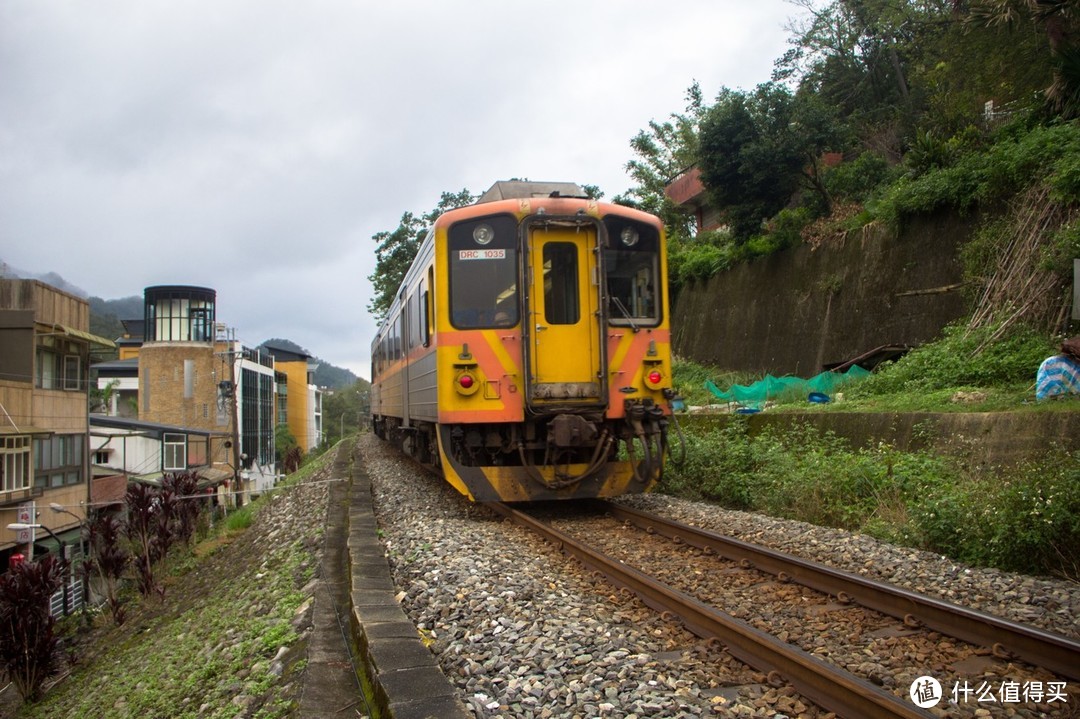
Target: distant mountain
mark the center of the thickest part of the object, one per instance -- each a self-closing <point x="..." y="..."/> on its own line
<point x="125" y="308"/>
<point x="105" y="315"/>
<point x="327" y="375"/>
<point x="49" y="278"/>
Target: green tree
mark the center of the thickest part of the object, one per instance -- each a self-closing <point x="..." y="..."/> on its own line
<point x="345" y="411"/>
<point x="748" y="162"/>
<point x="1060" y="21"/>
<point x="397" y="248"/>
<point x="284" y="442"/>
<point x="664" y="151"/>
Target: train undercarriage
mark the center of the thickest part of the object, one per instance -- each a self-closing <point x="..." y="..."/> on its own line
<point x="568" y="454"/>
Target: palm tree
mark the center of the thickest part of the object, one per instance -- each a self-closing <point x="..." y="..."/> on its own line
<point x="1058" y="18"/>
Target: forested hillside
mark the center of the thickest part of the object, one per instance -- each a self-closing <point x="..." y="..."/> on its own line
<point x="882" y="111"/>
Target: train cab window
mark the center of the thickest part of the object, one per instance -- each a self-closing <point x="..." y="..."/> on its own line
<point x="561" y="293"/>
<point x="632" y="272"/>
<point x="484" y="273"/>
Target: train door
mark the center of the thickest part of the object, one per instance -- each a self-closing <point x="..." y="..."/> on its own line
<point x="565" y="362"/>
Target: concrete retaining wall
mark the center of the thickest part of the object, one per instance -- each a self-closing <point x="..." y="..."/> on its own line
<point x="798" y="309"/>
<point x="983" y="438"/>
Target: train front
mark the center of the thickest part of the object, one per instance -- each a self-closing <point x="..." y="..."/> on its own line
<point x="554" y="354"/>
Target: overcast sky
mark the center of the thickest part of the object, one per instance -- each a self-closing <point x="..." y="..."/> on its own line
<point x="256" y="146"/>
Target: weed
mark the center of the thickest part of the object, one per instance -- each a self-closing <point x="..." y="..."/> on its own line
<point x="1024" y="518"/>
<point x="240" y="519"/>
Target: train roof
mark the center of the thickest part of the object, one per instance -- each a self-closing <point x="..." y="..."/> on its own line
<point x="519" y="189"/>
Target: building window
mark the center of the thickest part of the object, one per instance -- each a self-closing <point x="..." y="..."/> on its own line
<point x="48" y="369"/>
<point x="59" y="365"/>
<point x="72" y="372"/>
<point x="257" y="416"/>
<point x="197" y="450"/>
<point x="15" y="463"/>
<point x="102" y="456"/>
<point x="58" y="460"/>
<point x="174" y="447"/>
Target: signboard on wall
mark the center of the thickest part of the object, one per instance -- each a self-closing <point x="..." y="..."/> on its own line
<point x="25" y="513"/>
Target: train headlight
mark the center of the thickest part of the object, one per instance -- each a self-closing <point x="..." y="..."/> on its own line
<point x="629" y="236"/>
<point x="466" y="383"/>
<point x="483" y="234"/>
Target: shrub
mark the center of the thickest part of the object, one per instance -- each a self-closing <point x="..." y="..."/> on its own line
<point x="28" y="643"/>
<point x="859" y="179"/>
<point x="1024" y="519"/>
<point x="108" y="558"/>
<point x="1021" y="519"/>
<point x="960" y="178"/>
<point x="953" y="361"/>
<point x="240" y="519"/>
<point x="184" y="487"/>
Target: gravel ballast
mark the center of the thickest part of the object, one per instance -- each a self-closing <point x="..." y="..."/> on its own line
<point x="524" y="631"/>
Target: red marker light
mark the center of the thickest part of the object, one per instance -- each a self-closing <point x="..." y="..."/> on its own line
<point x="655" y="377"/>
<point x="465" y="381"/>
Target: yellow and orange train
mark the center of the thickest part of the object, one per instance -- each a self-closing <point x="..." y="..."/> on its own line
<point x="527" y="352"/>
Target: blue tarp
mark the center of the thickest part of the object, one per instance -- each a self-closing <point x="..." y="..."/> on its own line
<point x="1058" y="375"/>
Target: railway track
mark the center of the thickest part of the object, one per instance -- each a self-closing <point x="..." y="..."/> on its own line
<point x="831" y="687"/>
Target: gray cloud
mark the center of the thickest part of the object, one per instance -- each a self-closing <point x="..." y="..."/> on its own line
<point x="255" y="147"/>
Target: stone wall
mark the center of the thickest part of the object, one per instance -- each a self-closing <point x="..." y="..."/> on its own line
<point x="798" y="309"/>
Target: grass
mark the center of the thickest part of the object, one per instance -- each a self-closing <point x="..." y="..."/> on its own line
<point x="961" y="372"/>
<point x="206" y="649"/>
<point x="1024" y="517"/>
<point x="1021" y="518"/>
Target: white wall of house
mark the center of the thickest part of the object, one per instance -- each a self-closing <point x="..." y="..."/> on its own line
<point x="314" y="419"/>
<point x="127" y="451"/>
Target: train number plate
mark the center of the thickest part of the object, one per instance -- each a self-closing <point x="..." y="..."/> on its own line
<point x="482" y="254"/>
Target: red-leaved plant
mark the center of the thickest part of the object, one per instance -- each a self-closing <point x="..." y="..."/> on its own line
<point x="28" y="643"/>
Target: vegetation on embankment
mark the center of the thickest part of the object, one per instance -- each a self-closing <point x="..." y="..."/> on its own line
<point x="1022" y="517"/>
<point x="212" y="647"/>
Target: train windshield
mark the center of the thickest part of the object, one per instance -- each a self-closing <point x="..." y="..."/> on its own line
<point x="484" y="273"/>
<point x="632" y="270"/>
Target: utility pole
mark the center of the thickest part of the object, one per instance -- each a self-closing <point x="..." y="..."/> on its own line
<point x="234" y="419"/>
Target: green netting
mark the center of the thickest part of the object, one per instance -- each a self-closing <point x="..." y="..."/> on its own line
<point x="770" y="388"/>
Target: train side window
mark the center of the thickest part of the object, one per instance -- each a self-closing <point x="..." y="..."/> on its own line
<point x="413" y="325"/>
<point x="399" y="335"/>
<point x="424" y="299"/>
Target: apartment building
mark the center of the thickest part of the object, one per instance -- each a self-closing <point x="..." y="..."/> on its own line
<point x="45" y="354"/>
<point x="188" y="372"/>
<point x="299" y="400"/>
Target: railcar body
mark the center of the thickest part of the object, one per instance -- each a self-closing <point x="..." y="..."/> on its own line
<point x="527" y="352"/>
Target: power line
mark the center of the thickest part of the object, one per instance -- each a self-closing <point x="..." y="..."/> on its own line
<point x="204" y="495"/>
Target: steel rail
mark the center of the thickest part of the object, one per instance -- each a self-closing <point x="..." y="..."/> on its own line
<point x="826" y="685"/>
<point x="1006" y="639"/>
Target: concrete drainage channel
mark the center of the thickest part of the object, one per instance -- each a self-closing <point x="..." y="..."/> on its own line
<point x="403" y="677"/>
